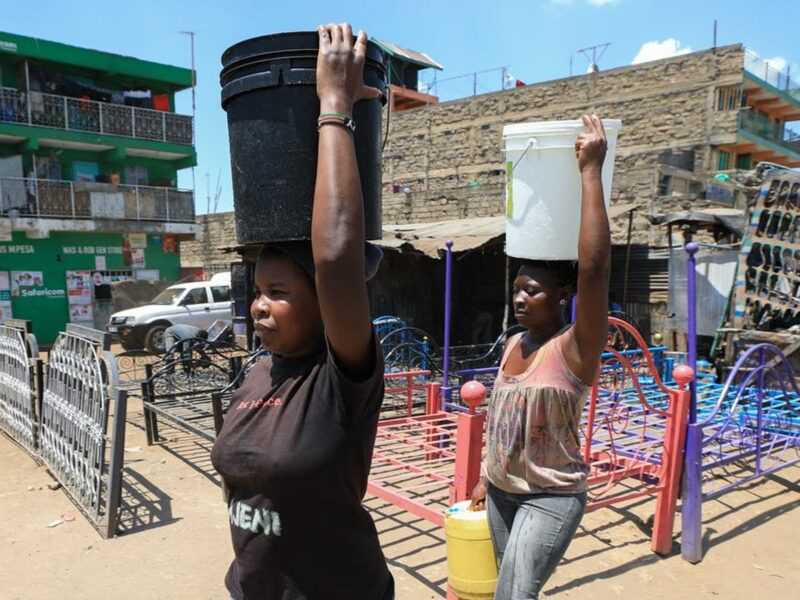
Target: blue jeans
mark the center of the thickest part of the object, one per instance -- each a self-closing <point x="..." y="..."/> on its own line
<point x="530" y="534"/>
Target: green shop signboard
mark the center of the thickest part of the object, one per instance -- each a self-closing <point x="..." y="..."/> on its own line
<point x="36" y="280"/>
<point x="30" y="284"/>
<point x="5" y="296"/>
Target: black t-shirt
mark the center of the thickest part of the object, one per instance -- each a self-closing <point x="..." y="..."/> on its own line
<point x="295" y="452"/>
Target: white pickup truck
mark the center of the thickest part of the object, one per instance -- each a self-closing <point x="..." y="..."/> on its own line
<point x="199" y="303"/>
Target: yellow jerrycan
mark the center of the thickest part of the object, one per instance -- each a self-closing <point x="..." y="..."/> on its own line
<point x="471" y="565"/>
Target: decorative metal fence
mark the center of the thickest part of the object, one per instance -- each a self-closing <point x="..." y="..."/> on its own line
<point x="131" y="369"/>
<point x="487" y="375"/>
<point x="132" y="364"/>
<point x="54" y="198"/>
<point x="20" y="384"/>
<point x="769" y="73"/>
<point x="405" y="393"/>
<point x="633" y="437"/>
<point x="81" y="398"/>
<point x="634" y="432"/>
<point x="188" y="392"/>
<point x="414" y="458"/>
<point x="80" y="114"/>
<point x="738" y="432"/>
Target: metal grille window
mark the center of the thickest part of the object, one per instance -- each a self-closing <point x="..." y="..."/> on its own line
<point x="136" y="175"/>
<point x="48" y="167"/>
<point x="727" y="97"/>
<point x="744" y="161"/>
<point x="724" y="160"/>
<point x="113" y="276"/>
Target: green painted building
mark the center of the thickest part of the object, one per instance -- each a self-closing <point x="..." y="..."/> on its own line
<point x="90" y="149"/>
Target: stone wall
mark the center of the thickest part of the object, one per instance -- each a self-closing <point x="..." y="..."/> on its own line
<point x="444" y="161"/>
<point x="217" y="231"/>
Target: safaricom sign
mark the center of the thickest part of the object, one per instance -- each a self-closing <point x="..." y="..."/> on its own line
<point x="40" y="293"/>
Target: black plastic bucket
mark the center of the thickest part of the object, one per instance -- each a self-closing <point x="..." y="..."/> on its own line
<point x="269" y="93"/>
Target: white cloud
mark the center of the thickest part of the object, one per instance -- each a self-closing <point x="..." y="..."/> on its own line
<point x="777" y="62"/>
<point x="655" y="50"/>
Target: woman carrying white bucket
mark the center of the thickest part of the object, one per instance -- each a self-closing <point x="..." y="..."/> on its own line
<point x="534" y="479"/>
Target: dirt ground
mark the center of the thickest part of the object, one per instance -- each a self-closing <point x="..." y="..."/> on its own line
<point x="175" y="543"/>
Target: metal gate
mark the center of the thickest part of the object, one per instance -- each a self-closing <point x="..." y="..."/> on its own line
<point x="19" y="366"/>
<point x="81" y="396"/>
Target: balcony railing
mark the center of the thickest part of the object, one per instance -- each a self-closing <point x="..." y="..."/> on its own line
<point x="767" y="73"/>
<point x="55" y="199"/>
<point x="767" y="129"/>
<point x="77" y="114"/>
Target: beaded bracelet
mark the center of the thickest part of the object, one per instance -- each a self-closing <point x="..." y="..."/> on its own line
<point x="336" y="119"/>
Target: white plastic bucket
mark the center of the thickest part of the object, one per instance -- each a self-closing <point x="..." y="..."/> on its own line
<point x="543" y="187"/>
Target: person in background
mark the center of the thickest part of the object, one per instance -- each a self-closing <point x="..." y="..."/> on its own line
<point x="180" y="333"/>
<point x="533" y="480"/>
<point x="296" y="446"/>
<point x="481" y="328"/>
<point x="614" y="305"/>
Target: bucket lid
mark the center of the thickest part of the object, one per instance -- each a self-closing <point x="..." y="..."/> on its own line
<point x="278" y="45"/>
<point x="269" y="61"/>
<point x="461" y="511"/>
<point x="555" y="127"/>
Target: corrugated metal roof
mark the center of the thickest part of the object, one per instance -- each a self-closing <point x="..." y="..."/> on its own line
<point x="731" y="218"/>
<point x="467" y="234"/>
<point x="430" y="238"/>
<point x="419" y="58"/>
<point x="648" y="273"/>
<point x="617" y="210"/>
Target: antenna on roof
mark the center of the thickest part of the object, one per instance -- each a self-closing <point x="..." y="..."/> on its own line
<point x="218" y="190"/>
<point x="715" y="34"/>
<point x="596" y="54"/>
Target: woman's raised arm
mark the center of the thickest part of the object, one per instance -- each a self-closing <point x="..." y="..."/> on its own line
<point x="337" y="226"/>
<point x="588" y="335"/>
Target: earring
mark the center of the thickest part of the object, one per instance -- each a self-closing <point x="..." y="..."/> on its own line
<point x="562" y="302"/>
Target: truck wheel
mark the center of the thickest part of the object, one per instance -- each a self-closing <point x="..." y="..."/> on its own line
<point x="154" y="340"/>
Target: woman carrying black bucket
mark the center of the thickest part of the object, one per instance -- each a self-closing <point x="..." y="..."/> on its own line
<point x="296" y="446"/>
<point x="534" y="478"/>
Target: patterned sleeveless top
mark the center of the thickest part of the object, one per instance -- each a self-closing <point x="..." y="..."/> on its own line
<point x="532" y="433"/>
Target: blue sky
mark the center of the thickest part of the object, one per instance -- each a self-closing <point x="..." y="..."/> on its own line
<point x="534" y="38"/>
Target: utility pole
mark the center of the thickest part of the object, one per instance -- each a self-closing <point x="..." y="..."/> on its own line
<point x="208" y="193"/>
<point x="194" y="82"/>
<point x="194" y="108"/>
<point x="207" y="228"/>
